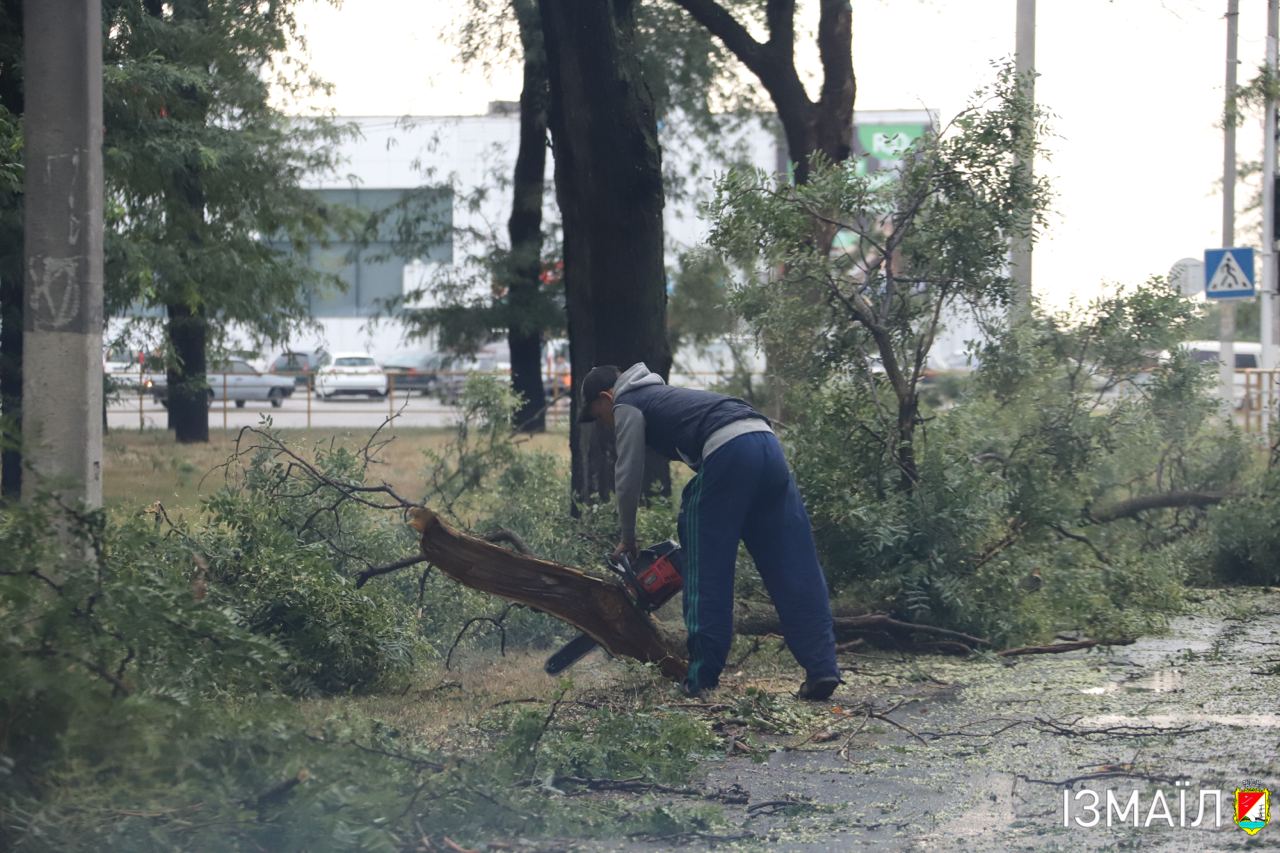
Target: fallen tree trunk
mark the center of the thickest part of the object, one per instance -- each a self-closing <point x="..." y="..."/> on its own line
<point x="1133" y="507"/>
<point x="848" y="626"/>
<point x="598" y="606"/>
<point x="1059" y="648"/>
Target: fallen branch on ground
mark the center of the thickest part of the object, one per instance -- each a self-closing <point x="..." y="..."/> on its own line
<point x="1058" y="648"/>
<point x="734" y="795"/>
<point x="1133" y="507"/>
<point x="595" y="605"/>
<point x="868" y="626"/>
<point x="1089" y="777"/>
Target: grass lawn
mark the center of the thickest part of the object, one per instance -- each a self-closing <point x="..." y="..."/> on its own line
<point x="140" y="468"/>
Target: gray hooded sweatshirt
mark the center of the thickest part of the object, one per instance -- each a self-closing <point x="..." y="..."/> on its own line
<point x="682" y="424"/>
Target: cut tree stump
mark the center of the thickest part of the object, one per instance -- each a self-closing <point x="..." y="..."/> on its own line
<point x="597" y="606"/>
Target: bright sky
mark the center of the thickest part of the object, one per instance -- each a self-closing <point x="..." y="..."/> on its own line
<point x="1136" y="87"/>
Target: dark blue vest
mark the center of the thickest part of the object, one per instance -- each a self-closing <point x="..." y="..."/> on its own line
<point x="680" y="420"/>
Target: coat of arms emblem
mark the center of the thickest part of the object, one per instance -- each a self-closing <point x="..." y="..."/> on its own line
<point x="1253" y="809"/>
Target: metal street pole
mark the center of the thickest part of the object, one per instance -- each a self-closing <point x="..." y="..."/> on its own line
<point x="1227" y="308"/>
<point x="62" y="335"/>
<point x="1024" y="65"/>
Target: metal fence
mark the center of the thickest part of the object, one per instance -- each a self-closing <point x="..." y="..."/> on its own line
<point x="135" y="397"/>
<point x="318" y="412"/>
<point x="1260" y="398"/>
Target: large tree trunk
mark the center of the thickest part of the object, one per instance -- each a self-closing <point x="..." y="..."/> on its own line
<point x="609" y="186"/>
<point x="832" y="119"/>
<point x="823" y="127"/>
<point x="11" y="313"/>
<point x="524" y="332"/>
<point x="10" y="365"/>
<point x="187" y="388"/>
<point x="188" y="327"/>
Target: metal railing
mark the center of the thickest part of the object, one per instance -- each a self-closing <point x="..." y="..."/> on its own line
<point x="318" y="412"/>
<point x="1261" y="387"/>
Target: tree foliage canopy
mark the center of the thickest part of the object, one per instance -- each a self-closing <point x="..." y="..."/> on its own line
<point x="203" y="166"/>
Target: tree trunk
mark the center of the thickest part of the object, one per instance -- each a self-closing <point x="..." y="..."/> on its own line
<point x="188" y="389"/>
<point x="10" y="365"/>
<point x="810" y="128"/>
<point x="524" y="332"/>
<point x="823" y="127"/>
<point x="832" y="119"/>
<point x="597" y="606"/>
<point x="908" y="473"/>
<point x="609" y="186"/>
<point x="11" y="243"/>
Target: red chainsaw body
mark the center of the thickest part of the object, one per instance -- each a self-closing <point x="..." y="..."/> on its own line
<point x="655" y="577"/>
<point x="658" y="582"/>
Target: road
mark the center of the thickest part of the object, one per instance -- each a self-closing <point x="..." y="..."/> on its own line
<point x="940" y="755"/>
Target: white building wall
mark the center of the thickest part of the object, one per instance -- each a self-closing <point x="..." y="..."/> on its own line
<point x="472" y="153"/>
<point x="475" y="152"/>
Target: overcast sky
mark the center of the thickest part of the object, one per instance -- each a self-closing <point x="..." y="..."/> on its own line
<point x="1136" y="88"/>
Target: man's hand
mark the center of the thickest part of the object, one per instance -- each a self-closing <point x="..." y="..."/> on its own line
<point x="628" y="548"/>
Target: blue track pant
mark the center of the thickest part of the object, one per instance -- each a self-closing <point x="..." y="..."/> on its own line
<point x="745" y="492"/>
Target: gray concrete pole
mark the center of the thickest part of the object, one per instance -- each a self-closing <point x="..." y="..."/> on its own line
<point x="62" y="341"/>
<point x="1227" y="324"/>
<point x="1267" y="334"/>
<point x="1025" y="66"/>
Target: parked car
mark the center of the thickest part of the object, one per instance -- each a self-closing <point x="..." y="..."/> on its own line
<point x="123" y="367"/>
<point x="415" y="370"/>
<point x="454" y="377"/>
<point x="300" y="365"/>
<point x="351" y="373"/>
<point x="240" y="381"/>
<point x="1248" y="354"/>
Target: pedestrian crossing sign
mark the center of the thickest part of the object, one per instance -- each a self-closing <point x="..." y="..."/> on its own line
<point x="1228" y="273"/>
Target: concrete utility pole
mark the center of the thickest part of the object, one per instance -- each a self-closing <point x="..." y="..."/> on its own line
<point x="62" y="340"/>
<point x="1268" y="289"/>
<point x="1025" y="66"/>
<point x="1227" y="308"/>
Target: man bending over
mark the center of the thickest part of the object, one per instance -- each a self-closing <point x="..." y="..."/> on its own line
<point x="742" y="491"/>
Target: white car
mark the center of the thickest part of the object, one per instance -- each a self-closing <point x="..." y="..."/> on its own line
<point x="235" y="379"/>
<point x="122" y="367"/>
<point x="351" y="373"/>
<point x="1248" y="355"/>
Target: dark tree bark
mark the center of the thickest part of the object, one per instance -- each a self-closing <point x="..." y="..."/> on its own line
<point x="524" y="332"/>
<point x="11" y="314"/>
<point x="10" y="366"/>
<point x="1133" y="507"/>
<point x="188" y="390"/>
<point x="811" y="127"/>
<point x="609" y="187"/>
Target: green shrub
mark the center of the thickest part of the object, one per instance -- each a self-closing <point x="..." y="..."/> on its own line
<point x="1241" y="543"/>
<point x="998" y="536"/>
<point x="286" y="552"/>
<point x="143" y="707"/>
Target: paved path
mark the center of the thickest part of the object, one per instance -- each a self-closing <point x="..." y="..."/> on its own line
<point x="997" y="743"/>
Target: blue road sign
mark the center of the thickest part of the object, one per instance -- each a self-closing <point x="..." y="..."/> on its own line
<point x="1228" y="273"/>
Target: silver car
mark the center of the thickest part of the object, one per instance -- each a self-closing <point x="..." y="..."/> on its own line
<point x="237" y="380"/>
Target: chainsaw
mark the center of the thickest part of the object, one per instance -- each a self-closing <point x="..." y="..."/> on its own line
<point x="651" y="581"/>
